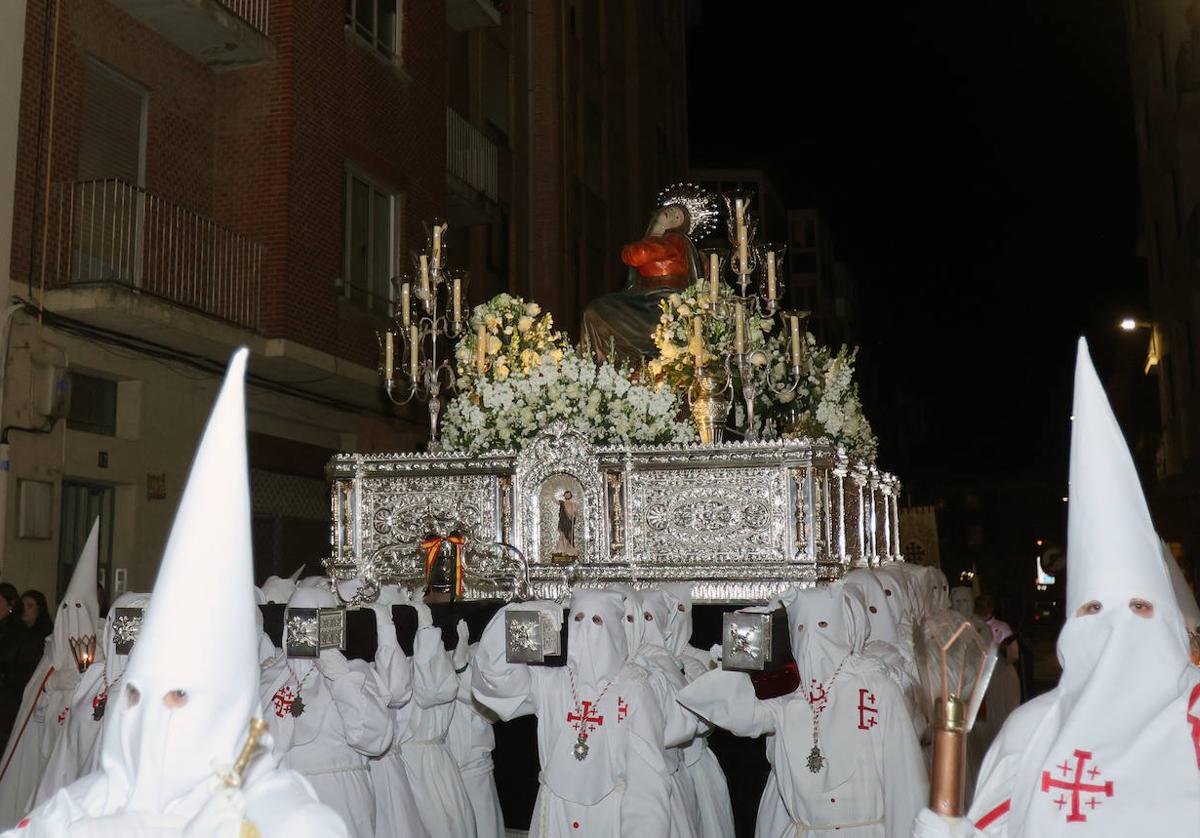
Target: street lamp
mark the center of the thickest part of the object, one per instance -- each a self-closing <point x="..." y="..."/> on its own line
<point x="1128" y="324"/>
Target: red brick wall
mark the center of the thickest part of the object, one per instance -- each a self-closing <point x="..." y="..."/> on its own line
<point x="261" y="149"/>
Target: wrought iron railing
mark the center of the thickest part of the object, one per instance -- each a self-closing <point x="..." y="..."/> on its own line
<point x="111" y="232"/>
<point x="470" y="156"/>
<point x="254" y="12"/>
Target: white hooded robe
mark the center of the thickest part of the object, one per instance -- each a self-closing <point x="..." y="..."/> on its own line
<point x="619" y="789"/>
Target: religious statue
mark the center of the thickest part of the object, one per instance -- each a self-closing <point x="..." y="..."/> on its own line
<point x="663" y="261"/>
<point x="567" y="510"/>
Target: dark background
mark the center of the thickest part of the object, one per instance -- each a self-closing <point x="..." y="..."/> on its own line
<point x="978" y="166"/>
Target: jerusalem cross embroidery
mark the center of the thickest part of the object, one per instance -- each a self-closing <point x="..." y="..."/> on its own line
<point x="867" y="711"/>
<point x="283" y="699"/>
<point x="586" y="721"/>
<point x="1078" y="787"/>
<point x="62" y="717"/>
<point x="622" y="709"/>
<point x="818" y="696"/>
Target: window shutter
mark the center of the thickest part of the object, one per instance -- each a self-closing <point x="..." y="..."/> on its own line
<point x="110" y="140"/>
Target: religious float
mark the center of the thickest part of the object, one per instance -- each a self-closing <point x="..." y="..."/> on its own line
<point x="554" y="466"/>
<point x="698" y="433"/>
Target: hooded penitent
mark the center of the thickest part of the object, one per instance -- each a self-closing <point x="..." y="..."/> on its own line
<point x="618" y="783"/>
<point x="1115" y="746"/>
<point x="75" y="751"/>
<point x="827" y="624"/>
<point x="46" y="703"/>
<point x="877" y="600"/>
<point x="181" y="714"/>
<point x="189" y="691"/>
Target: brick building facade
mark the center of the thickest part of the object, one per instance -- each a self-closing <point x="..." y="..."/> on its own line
<point x="226" y="172"/>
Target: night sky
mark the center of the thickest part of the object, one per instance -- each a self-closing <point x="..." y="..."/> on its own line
<point x="978" y="163"/>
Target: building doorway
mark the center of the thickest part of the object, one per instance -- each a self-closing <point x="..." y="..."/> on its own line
<point x="82" y="503"/>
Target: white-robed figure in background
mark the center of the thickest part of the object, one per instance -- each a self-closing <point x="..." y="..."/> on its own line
<point x="75" y="753"/>
<point x="443" y="805"/>
<point x="599" y="730"/>
<point x="1114" y="749"/>
<point x="46" y="702"/>
<point x="884" y="643"/>
<point x="278" y="589"/>
<point x="714" y="812"/>
<point x="174" y="728"/>
<point x="646" y="623"/>
<point x="328" y="716"/>
<point x="471" y="741"/>
<point x="396" y="810"/>
<point x="845" y="755"/>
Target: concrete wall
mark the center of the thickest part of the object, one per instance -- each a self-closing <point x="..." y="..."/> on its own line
<point x="162" y="409"/>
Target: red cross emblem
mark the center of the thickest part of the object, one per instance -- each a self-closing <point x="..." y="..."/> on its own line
<point x="283" y="700"/>
<point x="1078" y="787"/>
<point x="818" y="696"/>
<point x="622" y="709"/>
<point x="867" y="712"/>
<point x="62" y="717"/>
<point x="586" y="721"/>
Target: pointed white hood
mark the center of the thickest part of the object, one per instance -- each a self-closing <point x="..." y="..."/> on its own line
<point x="827" y="623"/>
<point x="1125" y="670"/>
<point x="679" y="617"/>
<point x="190" y="687"/>
<point x="78" y="616"/>
<point x="879" y="614"/>
<point x="1113" y="551"/>
<point x="596" y="635"/>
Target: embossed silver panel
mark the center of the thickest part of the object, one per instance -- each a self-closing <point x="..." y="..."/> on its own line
<point x="743" y="521"/>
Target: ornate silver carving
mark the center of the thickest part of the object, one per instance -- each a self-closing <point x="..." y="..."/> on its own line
<point x="742" y="521"/>
<point x="127" y="623"/>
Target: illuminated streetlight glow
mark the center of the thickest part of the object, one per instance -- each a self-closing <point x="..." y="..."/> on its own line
<point x="1129" y="324"/>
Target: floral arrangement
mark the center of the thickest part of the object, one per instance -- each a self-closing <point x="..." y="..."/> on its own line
<point x="825" y="404"/>
<point x="519" y="337"/>
<point x="676" y="337"/>
<point x="532" y="377"/>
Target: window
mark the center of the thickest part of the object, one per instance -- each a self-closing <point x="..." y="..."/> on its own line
<point x="93" y="405"/>
<point x="377" y="22"/>
<point x="371" y="242"/>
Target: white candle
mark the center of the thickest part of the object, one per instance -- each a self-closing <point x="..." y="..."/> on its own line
<point x="739" y="329"/>
<point x="481" y="349"/>
<point x="437" y="246"/>
<point x="795" y="341"/>
<point x="742" y="239"/>
<point x="405" y="313"/>
<point x="714" y="276"/>
<point x="425" y="276"/>
<point x="698" y="332"/>
<point x="389" y="356"/>
<point x="457" y="299"/>
<point x="414" y="351"/>
<point x="771" y="276"/>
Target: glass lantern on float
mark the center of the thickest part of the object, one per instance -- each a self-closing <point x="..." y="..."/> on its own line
<point x="428" y="313"/>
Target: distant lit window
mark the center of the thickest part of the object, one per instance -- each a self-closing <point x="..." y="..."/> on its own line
<point x="377" y="22"/>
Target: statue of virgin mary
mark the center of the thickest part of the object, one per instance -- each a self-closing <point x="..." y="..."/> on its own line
<point x="662" y="262"/>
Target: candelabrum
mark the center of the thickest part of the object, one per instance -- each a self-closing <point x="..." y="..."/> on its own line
<point x="416" y="361"/>
<point x="715" y="381"/>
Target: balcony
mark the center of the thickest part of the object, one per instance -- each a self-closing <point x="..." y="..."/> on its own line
<point x="111" y="234"/>
<point x="224" y="34"/>
<point x="462" y="15"/>
<point x="472" y="173"/>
